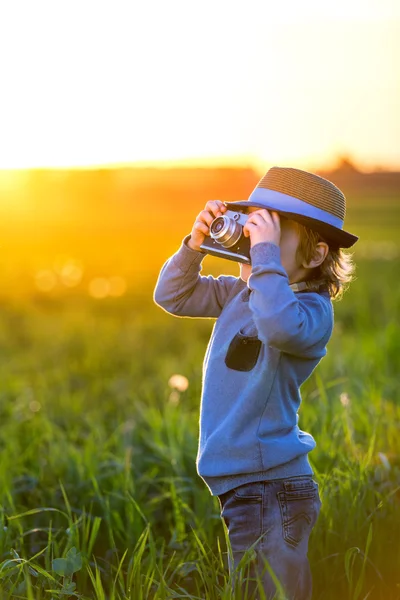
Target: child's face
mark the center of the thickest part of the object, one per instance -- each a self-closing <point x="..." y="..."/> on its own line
<point x="290" y="239"/>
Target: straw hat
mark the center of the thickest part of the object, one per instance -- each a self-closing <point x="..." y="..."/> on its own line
<point x="304" y="197"/>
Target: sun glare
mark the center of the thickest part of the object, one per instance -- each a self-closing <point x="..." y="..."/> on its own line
<point x="13" y="184"/>
<point x="286" y="86"/>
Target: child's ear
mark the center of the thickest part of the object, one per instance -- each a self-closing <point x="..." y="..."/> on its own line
<point x="320" y="253"/>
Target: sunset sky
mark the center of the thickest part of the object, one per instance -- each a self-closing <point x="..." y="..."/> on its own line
<point x="292" y="83"/>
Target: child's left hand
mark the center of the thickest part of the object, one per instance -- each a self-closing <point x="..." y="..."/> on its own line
<point x="263" y="226"/>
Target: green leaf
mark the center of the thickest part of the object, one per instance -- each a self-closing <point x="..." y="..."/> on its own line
<point x="69" y="588"/>
<point x="74" y="559"/>
<point x="69" y="565"/>
<point x="60" y="566"/>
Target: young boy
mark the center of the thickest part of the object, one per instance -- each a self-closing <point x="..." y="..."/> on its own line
<point x="273" y="325"/>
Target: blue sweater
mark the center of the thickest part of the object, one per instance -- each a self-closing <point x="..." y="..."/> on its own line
<point x="266" y="341"/>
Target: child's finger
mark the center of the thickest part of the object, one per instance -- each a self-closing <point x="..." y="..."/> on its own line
<point x="256" y="218"/>
<point x="205" y="216"/>
<point x="247" y="227"/>
<point x="215" y="207"/>
<point x="201" y="226"/>
<point x="276" y="216"/>
<point x="266" y="215"/>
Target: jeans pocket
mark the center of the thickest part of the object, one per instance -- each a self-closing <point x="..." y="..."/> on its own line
<point x="254" y="490"/>
<point x="241" y="509"/>
<point x="299" y="504"/>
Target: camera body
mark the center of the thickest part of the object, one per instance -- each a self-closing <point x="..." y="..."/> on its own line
<point x="226" y="239"/>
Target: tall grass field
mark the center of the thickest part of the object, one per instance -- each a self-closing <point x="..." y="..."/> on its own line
<point x="99" y="494"/>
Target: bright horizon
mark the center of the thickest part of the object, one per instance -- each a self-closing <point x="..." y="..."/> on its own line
<point x="125" y="84"/>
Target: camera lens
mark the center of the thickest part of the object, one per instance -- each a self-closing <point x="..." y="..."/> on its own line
<point x="217" y="225"/>
<point x="225" y="231"/>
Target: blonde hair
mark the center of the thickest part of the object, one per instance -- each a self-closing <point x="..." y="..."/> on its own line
<point x="337" y="269"/>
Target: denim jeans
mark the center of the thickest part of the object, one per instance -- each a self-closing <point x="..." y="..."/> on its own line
<point x="282" y="513"/>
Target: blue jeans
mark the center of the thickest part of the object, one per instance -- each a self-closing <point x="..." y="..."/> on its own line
<point x="275" y="517"/>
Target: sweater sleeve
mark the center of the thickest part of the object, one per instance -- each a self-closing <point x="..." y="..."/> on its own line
<point x="299" y="324"/>
<point x="183" y="292"/>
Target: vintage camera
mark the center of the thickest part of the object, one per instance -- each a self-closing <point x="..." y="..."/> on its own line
<point x="226" y="239"/>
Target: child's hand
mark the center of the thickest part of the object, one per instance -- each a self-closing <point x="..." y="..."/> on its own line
<point x="213" y="209"/>
<point x="263" y="226"/>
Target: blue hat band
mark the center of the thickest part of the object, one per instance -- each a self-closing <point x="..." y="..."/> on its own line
<point x="291" y="204"/>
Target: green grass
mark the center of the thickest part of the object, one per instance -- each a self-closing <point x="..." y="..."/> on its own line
<point x="97" y="455"/>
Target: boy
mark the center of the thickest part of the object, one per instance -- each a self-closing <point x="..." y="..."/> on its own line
<point x="273" y="325"/>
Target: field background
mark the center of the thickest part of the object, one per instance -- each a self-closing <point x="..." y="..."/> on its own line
<point x="98" y="450"/>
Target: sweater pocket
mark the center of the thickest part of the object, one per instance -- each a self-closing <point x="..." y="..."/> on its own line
<point x="243" y="351"/>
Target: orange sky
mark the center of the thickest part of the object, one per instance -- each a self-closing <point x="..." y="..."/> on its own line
<point x="89" y="83"/>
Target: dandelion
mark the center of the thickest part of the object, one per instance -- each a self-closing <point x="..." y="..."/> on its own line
<point x="344" y="399"/>
<point x="179" y="382"/>
<point x="35" y="406"/>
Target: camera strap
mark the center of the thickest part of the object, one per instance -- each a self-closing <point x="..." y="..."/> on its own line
<point x="311" y="286"/>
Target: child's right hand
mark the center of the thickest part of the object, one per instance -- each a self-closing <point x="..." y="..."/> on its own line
<point x="213" y="209"/>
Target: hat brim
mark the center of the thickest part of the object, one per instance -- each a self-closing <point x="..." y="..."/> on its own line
<point x="333" y="235"/>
